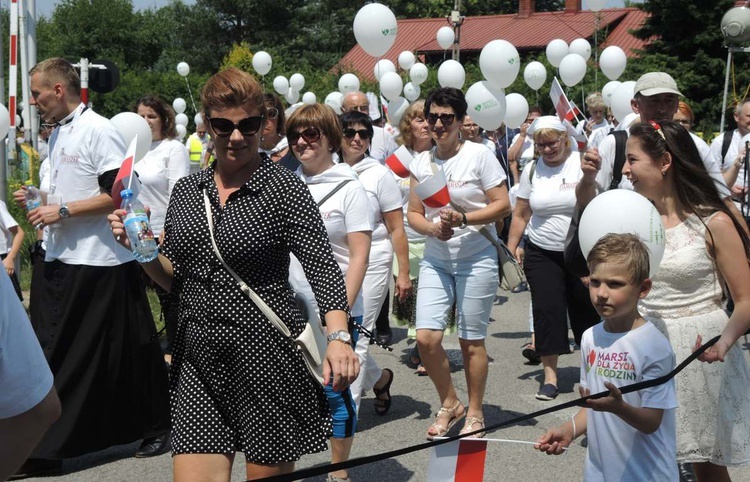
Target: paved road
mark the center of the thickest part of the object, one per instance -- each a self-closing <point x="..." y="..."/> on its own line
<point x="510" y="393"/>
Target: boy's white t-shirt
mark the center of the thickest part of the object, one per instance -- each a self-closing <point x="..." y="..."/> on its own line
<point x="469" y="174"/>
<point x="552" y="197"/>
<point x="347" y="211"/>
<point x="6" y="222"/>
<point x="383" y="193"/>
<point x="617" y="451"/>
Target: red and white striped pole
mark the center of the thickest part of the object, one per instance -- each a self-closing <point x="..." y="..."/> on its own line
<point x="84" y="66"/>
<point x="13" y="78"/>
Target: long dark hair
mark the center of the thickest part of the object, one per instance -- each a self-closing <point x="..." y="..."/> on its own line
<point x="695" y="188"/>
<point x="164" y="111"/>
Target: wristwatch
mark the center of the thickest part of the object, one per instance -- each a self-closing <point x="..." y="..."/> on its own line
<point x="464" y="222"/>
<point x="64" y="212"/>
<point x="342" y="335"/>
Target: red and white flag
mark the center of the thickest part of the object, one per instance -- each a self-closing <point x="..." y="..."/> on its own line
<point x="565" y="110"/>
<point x="399" y="161"/>
<point x="459" y="461"/>
<point x="126" y="178"/>
<point x="433" y="191"/>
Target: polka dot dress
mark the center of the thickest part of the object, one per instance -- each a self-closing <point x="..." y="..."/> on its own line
<point x="237" y="383"/>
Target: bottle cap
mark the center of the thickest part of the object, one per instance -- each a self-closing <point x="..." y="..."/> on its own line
<point x="29" y="183"/>
<point x="126" y="193"/>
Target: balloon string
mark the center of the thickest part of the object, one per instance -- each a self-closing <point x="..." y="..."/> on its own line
<point x="191" y="95"/>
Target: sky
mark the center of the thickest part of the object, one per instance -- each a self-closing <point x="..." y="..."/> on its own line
<point x="45" y="7"/>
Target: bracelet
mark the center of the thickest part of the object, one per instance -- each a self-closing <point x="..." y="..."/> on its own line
<point x="573" y="421"/>
<point x="464" y="222"/>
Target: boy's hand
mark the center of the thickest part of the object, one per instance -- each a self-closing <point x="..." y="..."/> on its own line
<point x="554" y="441"/>
<point x="612" y="403"/>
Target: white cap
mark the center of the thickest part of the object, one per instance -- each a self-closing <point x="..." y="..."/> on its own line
<point x="654" y="83"/>
<point x="546" y="122"/>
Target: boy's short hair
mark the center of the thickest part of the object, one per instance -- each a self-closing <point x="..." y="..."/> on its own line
<point x="623" y="248"/>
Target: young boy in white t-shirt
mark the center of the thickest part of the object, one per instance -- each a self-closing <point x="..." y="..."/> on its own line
<point x="630" y="436"/>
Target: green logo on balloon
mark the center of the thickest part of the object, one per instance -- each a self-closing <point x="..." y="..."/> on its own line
<point x="478" y="107"/>
<point x="389" y="31"/>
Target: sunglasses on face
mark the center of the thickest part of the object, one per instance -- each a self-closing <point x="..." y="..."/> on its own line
<point x="248" y="126"/>
<point x="446" y="119"/>
<point x="310" y="135"/>
<point x="551" y="145"/>
<point x="363" y="134"/>
<point x="272" y="113"/>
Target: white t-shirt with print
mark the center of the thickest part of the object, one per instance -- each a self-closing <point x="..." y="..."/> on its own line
<point x="383" y="144"/>
<point x="6" y="223"/>
<point x="527" y="150"/>
<point x="732" y="153"/>
<point x="617" y="451"/>
<point x="552" y="197"/>
<point x="83" y="149"/>
<point x="470" y="173"/>
<point x="163" y="165"/>
<point x="383" y="193"/>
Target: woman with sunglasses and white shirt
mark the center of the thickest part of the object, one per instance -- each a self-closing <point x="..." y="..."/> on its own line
<point x="544" y="208"/>
<point x="238" y="384"/>
<point x="459" y="264"/>
<point x="388" y="236"/>
<point x="314" y="136"/>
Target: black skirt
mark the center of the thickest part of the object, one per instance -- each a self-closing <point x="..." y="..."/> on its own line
<point x="97" y="333"/>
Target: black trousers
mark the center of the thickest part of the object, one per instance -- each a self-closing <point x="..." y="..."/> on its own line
<point x="555" y="293"/>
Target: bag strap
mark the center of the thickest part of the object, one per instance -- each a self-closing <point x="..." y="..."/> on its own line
<point x="621" y="139"/>
<point x="334" y="191"/>
<point x="532" y="169"/>
<point x="725" y="143"/>
<point x="272" y="317"/>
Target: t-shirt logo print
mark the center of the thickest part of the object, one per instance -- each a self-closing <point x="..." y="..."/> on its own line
<point x="591" y="360"/>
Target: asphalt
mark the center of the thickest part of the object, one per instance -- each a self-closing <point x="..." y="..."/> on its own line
<point x="510" y="393"/>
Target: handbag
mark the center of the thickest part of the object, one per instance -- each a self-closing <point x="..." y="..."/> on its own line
<point x="312" y="342"/>
<point x="511" y="274"/>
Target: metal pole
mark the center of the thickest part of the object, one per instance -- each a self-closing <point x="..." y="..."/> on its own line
<point x="726" y="90"/>
<point x="84" y="64"/>
<point x="13" y="79"/>
<point x="31" y="54"/>
<point x="3" y="160"/>
<point x="25" y="89"/>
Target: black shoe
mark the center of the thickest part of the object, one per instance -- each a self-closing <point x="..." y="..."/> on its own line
<point x="522" y="286"/>
<point x="687" y="474"/>
<point x="547" y="392"/>
<point x="153" y="446"/>
<point x="35" y="467"/>
<point x="385" y="338"/>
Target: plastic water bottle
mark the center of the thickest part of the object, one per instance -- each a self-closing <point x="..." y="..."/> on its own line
<point x="138" y="229"/>
<point x="33" y="196"/>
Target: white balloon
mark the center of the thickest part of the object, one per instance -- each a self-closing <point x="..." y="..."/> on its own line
<point x="291" y="96"/>
<point x="179" y="105"/>
<point x="375" y="29"/>
<point x="608" y="89"/>
<point x="183" y="69"/>
<point x="406" y="59"/>
<point x="391" y="85"/>
<point x="516" y="110"/>
<point x="621" y="97"/>
<point x="181" y="119"/>
<point x="4" y="121"/>
<point x="348" y="83"/>
<point x="198" y="119"/>
<point x="396" y="109"/>
<point x="296" y="82"/>
<point x="412" y="91"/>
<point x="262" y="62"/>
<point x="556" y="50"/>
<point x="612" y="61"/>
<point x="535" y="75"/>
<point x="451" y="74"/>
<point x="582" y="47"/>
<point x="445" y="37"/>
<point x="334" y="101"/>
<point x="181" y="131"/>
<point x="500" y="63"/>
<point x="280" y="85"/>
<point x="486" y="105"/>
<point x="130" y="125"/>
<point x="309" y="98"/>
<point x="572" y="69"/>
<point x="635" y="215"/>
<point x="381" y="67"/>
<point x="596" y="5"/>
<point x="418" y="73"/>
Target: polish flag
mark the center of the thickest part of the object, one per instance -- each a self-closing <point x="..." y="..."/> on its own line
<point x="433" y="191"/>
<point x="565" y="110"/>
<point x="125" y="176"/>
<point x="459" y="461"/>
<point x="399" y="161"/>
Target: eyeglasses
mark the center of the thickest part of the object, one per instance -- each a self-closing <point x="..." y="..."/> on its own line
<point x="310" y="135"/>
<point x="248" y="126"/>
<point x="446" y="119"/>
<point x="364" y="134"/>
<point x="272" y="113"/>
<point x="365" y="109"/>
<point x="544" y="145"/>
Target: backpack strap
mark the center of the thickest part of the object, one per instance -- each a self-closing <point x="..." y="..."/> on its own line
<point x="621" y="140"/>
<point x="726" y="142"/>
<point x="531" y="167"/>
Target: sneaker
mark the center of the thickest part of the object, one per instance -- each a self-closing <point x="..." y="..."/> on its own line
<point x="522" y="286"/>
<point x="547" y="392"/>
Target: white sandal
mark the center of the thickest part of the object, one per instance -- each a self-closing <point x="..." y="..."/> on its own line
<point x="440" y="430"/>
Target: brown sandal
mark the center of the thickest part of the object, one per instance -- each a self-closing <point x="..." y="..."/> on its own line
<point x="439" y="429"/>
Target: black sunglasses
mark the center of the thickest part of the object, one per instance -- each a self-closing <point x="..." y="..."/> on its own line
<point x="248" y="126"/>
<point x="446" y="119"/>
<point x="364" y="134"/>
<point x="310" y="135"/>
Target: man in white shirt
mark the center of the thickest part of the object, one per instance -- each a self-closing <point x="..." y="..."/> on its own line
<point x="383" y="144"/>
<point x="732" y="162"/>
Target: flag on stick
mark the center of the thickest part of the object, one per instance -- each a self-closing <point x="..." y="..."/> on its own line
<point x="459" y="461"/>
<point x="433" y="191"/>
<point x="125" y="176"/>
<point x="565" y="111"/>
<point x="399" y="161"/>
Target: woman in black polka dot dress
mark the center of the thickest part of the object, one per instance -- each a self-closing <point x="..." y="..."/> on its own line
<point x="237" y="383"/>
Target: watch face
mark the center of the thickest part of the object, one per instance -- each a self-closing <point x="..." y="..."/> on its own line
<point x="64" y="212"/>
<point x="345" y="336"/>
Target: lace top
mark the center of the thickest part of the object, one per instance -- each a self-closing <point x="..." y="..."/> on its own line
<point x="687" y="282"/>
